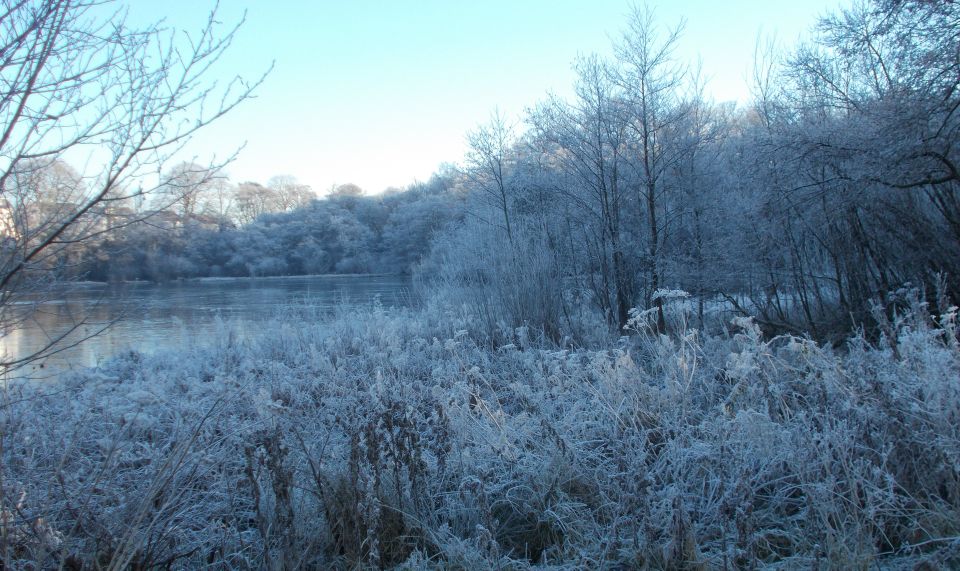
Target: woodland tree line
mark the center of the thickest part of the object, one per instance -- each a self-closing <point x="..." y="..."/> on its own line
<point x="811" y="206"/>
<point x="345" y="232"/>
<point x="199" y="224"/>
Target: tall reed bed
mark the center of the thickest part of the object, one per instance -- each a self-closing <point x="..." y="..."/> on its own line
<point x="397" y="440"/>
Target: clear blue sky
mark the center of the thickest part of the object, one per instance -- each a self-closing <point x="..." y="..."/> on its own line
<point x="381" y="92"/>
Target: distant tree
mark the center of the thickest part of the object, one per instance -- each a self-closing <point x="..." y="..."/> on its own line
<point x="311" y="257"/>
<point x="186" y="190"/>
<point x="290" y="194"/>
<point x="411" y="226"/>
<point x="220" y="202"/>
<point x="39" y="193"/>
<point x="348" y="189"/>
<point x="253" y="200"/>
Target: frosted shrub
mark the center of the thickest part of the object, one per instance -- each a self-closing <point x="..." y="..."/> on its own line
<point x="507" y="285"/>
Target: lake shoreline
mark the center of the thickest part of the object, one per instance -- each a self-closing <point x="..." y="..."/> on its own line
<point x="88" y="283"/>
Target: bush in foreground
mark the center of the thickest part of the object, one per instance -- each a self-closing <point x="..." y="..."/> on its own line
<point x="394" y="440"/>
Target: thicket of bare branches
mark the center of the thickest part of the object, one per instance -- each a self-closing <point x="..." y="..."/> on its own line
<point x="837" y="186"/>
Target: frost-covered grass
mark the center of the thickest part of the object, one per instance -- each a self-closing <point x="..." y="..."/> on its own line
<point x="395" y="439"/>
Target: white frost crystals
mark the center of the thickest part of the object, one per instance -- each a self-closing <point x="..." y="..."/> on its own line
<point x="640" y="318"/>
<point x="396" y="439"/>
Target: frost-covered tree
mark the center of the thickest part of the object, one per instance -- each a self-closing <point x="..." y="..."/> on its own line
<point x="253" y="200"/>
<point x="587" y="140"/>
<point x="650" y="80"/>
<point x="187" y="190"/>
<point x="488" y="159"/>
<point x="289" y="193"/>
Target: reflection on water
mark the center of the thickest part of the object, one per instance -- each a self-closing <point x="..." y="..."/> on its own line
<point x="146" y="317"/>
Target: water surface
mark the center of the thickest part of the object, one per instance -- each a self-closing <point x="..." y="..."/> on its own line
<point x="147" y="317"/>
